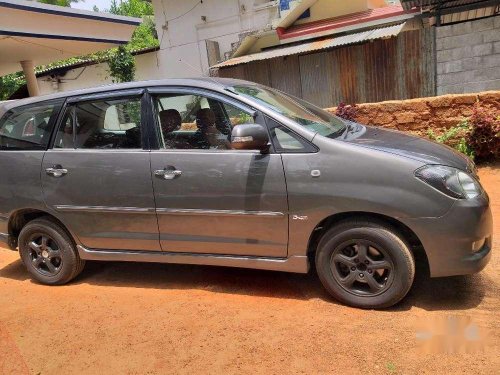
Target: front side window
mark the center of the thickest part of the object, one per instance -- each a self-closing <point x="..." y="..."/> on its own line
<point x="191" y="121"/>
<point x="27" y="128"/>
<point x="102" y="124"/>
<point x="303" y="113"/>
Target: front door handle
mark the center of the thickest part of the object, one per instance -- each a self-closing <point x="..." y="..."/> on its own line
<point x="167" y="174"/>
<point x="56" y="171"/>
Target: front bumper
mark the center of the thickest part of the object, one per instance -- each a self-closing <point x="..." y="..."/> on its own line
<point x="460" y="242"/>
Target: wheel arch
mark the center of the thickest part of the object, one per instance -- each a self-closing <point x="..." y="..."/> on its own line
<point x="406" y="233"/>
<point x="18" y="220"/>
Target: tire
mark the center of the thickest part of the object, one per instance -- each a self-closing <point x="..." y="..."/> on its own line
<point x="348" y="259"/>
<point x="48" y="252"/>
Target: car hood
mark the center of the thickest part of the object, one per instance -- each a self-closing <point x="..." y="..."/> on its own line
<point x="410" y="146"/>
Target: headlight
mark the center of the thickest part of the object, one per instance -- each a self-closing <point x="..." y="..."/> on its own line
<point x="450" y="181"/>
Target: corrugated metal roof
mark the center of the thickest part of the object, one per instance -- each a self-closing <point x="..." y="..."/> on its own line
<point x="385" y="32"/>
<point x="452" y="11"/>
<point x="444" y="4"/>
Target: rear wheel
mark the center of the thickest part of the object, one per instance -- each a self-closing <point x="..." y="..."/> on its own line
<point x="48" y="252"/>
<point x="365" y="264"/>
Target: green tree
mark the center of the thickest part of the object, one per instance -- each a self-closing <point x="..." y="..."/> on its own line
<point x="131" y="8"/>
<point x="61" y="3"/>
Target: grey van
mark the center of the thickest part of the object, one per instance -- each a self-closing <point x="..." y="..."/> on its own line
<point x="232" y="173"/>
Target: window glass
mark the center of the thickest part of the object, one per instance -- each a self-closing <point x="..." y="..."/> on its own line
<point x="285" y="139"/>
<point x="303" y="113"/>
<point x="27" y="128"/>
<point x="103" y="124"/>
<point x="64" y="136"/>
<point x="197" y="122"/>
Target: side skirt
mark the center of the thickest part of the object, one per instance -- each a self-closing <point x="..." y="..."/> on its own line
<point x="297" y="264"/>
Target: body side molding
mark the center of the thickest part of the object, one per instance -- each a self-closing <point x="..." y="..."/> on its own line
<point x="296" y="264"/>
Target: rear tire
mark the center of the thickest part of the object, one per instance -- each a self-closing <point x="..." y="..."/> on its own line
<point x="365" y="264"/>
<point x="49" y="253"/>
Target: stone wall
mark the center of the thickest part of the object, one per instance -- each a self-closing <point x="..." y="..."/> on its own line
<point x="419" y="115"/>
<point x="468" y="56"/>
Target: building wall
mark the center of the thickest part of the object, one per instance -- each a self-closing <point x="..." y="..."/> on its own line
<point x="183" y="32"/>
<point x="97" y="75"/>
<point x="422" y="114"/>
<point x="323" y="9"/>
<point x="468" y="56"/>
<point x="395" y="68"/>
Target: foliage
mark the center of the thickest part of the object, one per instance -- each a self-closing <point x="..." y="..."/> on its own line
<point x="477" y="137"/>
<point x="131" y="8"/>
<point x="484" y="136"/>
<point x="121" y="65"/>
<point x="144" y="36"/>
<point x="455" y="137"/>
<point x="61" y="3"/>
<point x="347" y="112"/>
<point x="10" y="83"/>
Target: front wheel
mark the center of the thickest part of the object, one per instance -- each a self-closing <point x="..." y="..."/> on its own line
<point x="365" y="264"/>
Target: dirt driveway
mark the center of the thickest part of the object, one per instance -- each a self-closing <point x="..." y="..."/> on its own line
<point x="152" y="318"/>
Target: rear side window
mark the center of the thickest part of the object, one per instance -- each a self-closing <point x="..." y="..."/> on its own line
<point x="102" y="124"/>
<point x="28" y="127"/>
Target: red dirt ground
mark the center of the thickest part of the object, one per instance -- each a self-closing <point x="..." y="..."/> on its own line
<point x="152" y="318"/>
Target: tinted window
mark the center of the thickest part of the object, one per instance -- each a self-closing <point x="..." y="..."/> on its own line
<point x="197" y="122"/>
<point x="27" y="128"/>
<point x="103" y="124"/>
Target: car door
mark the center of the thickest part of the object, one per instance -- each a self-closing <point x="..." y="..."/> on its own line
<point x="97" y="174"/>
<point x="24" y="136"/>
<point x="211" y="199"/>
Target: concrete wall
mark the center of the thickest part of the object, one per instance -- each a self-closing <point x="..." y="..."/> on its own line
<point x="182" y="32"/>
<point x="97" y="75"/>
<point x="468" y="56"/>
<point x="422" y="114"/>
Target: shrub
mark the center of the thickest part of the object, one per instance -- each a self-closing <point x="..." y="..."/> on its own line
<point x="347" y="112"/>
<point x="456" y="137"/>
<point x="484" y="134"/>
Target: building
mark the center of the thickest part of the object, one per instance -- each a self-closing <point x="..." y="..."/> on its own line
<point x="32" y="34"/>
<point x="195" y="35"/>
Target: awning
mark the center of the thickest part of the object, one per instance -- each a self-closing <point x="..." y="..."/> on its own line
<point x="364" y="36"/>
<point x="31" y="31"/>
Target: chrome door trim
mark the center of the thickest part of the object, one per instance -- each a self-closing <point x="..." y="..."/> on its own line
<point x="135" y="210"/>
<point x="296" y="263"/>
<point x="195" y="211"/>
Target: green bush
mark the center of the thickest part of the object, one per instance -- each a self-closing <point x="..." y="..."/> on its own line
<point x="477" y="137"/>
<point x="455" y="137"/>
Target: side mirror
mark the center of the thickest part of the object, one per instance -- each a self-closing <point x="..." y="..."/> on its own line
<point x="250" y="137"/>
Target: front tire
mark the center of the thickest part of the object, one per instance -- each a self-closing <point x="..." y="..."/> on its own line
<point x="48" y="252"/>
<point x="365" y="264"/>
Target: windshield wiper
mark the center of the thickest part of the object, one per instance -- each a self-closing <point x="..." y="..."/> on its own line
<point x="337" y="133"/>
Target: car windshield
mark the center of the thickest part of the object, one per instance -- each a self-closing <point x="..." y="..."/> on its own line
<point x="303" y="113"/>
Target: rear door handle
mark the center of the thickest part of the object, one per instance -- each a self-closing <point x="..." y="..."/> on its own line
<point x="56" y="171"/>
<point x="167" y="174"/>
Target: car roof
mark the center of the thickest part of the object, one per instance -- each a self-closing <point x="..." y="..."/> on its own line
<point x="212" y="83"/>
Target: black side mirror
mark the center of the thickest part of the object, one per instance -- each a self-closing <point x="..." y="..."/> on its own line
<point x="250" y="137"/>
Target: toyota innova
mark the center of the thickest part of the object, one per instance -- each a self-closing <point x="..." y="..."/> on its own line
<point x="232" y="173"/>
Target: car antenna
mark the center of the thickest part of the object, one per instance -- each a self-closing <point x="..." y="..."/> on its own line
<point x="202" y="73"/>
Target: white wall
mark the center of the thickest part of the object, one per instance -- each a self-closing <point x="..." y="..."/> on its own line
<point x="97" y="75"/>
<point x="182" y="35"/>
